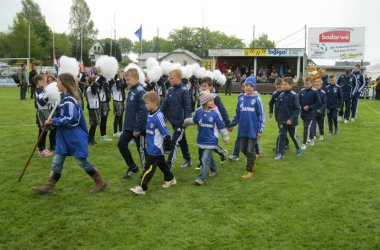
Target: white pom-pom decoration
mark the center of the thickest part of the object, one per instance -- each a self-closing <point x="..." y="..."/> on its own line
<point x="208" y="74"/>
<point x="166" y="66"/>
<point x="195" y="67"/>
<point x="52" y="92"/>
<point x="151" y="63"/>
<point x="222" y="79"/>
<point x="68" y="65"/>
<point x="186" y="71"/>
<point x="154" y="74"/>
<point x="216" y="74"/>
<point x="201" y="72"/>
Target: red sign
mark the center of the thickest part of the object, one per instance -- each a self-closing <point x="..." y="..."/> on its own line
<point x="335" y="36"/>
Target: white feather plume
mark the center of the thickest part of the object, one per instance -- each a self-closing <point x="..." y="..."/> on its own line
<point x="141" y="73"/>
<point x="52" y="92"/>
<point x="166" y="66"/>
<point x="195" y="67"/>
<point x="151" y="63"/>
<point x="175" y="66"/>
<point x="209" y="74"/>
<point x="68" y="65"/>
<point x="186" y="71"/>
<point x="201" y="73"/>
<point x="154" y="74"/>
<point x="108" y="65"/>
<point x="222" y="79"/>
<point x="216" y="74"/>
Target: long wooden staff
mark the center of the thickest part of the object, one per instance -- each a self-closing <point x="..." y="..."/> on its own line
<point x="36" y="144"/>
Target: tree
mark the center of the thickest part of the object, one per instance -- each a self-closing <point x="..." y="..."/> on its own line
<point x="18" y="39"/>
<point x="5" y="47"/>
<point x="32" y="13"/>
<point x="82" y="27"/>
<point x="115" y="48"/>
<point x="262" y="42"/>
<point x="126" y="45"/>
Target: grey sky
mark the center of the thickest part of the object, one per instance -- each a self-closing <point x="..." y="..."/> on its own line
<point x="276" y="18"/>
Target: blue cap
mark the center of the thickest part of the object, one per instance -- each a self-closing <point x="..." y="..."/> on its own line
<point x="251" y="80"/>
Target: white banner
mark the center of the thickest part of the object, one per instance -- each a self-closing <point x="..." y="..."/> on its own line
<point x="336" y="43"/>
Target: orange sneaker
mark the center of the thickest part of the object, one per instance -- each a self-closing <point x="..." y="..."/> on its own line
<point x="247" y="175"/>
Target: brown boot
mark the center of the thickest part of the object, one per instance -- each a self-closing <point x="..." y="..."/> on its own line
<point x="100" y="183"/>
<point x="49" y="185"/>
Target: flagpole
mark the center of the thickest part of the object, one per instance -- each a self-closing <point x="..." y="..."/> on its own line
<point x="81" y="38"/>
<point x="53" y="48"/>
<point x="29" y="43"/>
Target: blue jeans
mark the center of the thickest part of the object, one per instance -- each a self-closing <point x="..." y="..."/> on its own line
<point x="207" y="162"/>
<point x="58" y="161"/>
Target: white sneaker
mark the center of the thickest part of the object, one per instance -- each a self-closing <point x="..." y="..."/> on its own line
<point x="340" y="118"/>
<point x="311" y="142"/>
<point x="137" y="190"/>
<point x="169" y="183"/>
<point x="345" y="121"/>
<point x="321" y="137"/>
<point x="233" y="158"/>
<point x="303" y="147"/>
<point x="211" y="174"/>
<point x="352" y="119"/>
<point x="116" y="134"/>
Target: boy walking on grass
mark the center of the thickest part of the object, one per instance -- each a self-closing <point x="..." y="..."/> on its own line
<point x="309" y="101"/>
<point x="157" y="135"/>
<point x="288" y="111"/>
<point x="250" y="116"/>
<point x="334" y="104"/>
<point x="320" y="111"/>
<point x="209" y="124"/>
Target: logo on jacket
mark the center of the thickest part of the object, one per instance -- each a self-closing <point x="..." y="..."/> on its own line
<point x="253" y="101"/>
<point x="151" y="125"/>
<point x="210" y="119"/>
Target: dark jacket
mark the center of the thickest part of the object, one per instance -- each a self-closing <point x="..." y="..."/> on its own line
<point x="273" y="103"/>
<point x="334" y="97"/>
<point x="104" y="89"/>
<point x="135" y="111"/>
<point x="322" y="107"/>
<point x="310" y="98"/>
<point x="325" y="82"/>
<point x="361" y="82"/>
<point x="347" y="84"/>
<point x="177" y="105"/>
<point x="288" y="107"/>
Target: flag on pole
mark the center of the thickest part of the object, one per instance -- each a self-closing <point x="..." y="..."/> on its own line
<point x="138" y="33"/>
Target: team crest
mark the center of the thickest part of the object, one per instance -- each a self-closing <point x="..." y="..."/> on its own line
<point x="210" y="119"/>
<point x="253" y="101"/>
<point x="151" y="125"/>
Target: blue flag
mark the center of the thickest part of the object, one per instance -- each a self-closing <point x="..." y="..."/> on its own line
<point x="138" y="33"/>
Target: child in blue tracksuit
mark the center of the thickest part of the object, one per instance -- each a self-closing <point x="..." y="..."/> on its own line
<point x="207" y="85"/>
<point x="309" y="101"/>
<point x="287" y="117"/>
<point x="320" y="111"/>
<point x="347" y="83"/>
<point x="210" y="124"/>
<point x="250" y="116"/>
<point x="71" y="136"/>
<point x="157" y="135"/>
<point x="134" y="123"/>
<point x="334" y="104"/>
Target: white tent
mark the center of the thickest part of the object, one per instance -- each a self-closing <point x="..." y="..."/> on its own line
<point x="373" y="71"/>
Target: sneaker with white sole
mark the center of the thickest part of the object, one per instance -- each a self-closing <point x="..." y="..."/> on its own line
<point x="345" y="121"/>
<point x="137" y="190"/>
<point x="105" y="138"/>
<point x="279" y="157"/>
<point x="199" y="182"/>
<point x="233" y="157"/>
<point x="340" y="118"/>
<point x="321" y="137"/>
<point x="224" y="158"/>
<point x="45" y="153"/>
<point x="211" y="174"/>
<point x="303" y="147"/>
<point x="198" y="167"/>
<point x="169" y="183"/>
<point x="312" y="142"/>
<point x="352" y="119"/>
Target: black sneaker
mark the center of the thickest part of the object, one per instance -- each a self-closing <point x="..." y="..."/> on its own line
<point x="129" y="173"/>
<point x="92" y="143"/>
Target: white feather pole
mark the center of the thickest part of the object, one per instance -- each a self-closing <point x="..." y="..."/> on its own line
<point x="108" y="66"/>
<point x="166" y="66"/>
<point x="151" y="63"/>
<point x="222" y="80"/>
<point x="154" y="74"/>
<point x="141" y="73"/>
<point x="68" y="65"/>
<point x="186" y="71"/>
<point x="209" y="74"/>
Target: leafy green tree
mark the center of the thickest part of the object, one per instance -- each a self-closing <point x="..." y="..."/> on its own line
<point x="262" y="42"/>
<point x="126" y="45"/>
<point x="4" y="44"/>
<point x="115" y="48"/>
<point x="81" y="27"/>
<point x="32" y="13"/>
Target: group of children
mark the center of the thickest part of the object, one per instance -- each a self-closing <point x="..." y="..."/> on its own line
<point x="146" y="116"/>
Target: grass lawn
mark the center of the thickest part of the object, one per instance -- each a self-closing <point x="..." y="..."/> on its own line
<point x="329" y="198"/>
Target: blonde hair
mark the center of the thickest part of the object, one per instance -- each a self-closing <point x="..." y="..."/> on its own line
<point x="152" y="96"/>
<point x="176" y="72"/>
<point x="68" y="81"/>
<point x="133" y="73"/>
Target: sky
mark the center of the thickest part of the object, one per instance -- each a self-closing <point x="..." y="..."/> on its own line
<point x="276" y="18"/>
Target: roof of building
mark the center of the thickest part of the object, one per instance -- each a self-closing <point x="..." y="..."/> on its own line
<point x="189" y="53"/>
<point x="145" y="56"/>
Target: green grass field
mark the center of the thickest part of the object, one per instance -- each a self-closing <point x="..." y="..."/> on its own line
<point x="327" y="199"/>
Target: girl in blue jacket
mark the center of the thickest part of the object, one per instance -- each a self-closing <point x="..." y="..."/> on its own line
<point x="71" y="136"/>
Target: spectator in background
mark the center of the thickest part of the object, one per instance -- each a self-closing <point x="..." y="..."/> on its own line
<point x="32" y="84"/>
<point x="23" y="81"/>
<point x="228" y="88"/>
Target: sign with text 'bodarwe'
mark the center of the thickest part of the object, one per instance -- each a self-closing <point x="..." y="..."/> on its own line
<point x="336" y="43"/>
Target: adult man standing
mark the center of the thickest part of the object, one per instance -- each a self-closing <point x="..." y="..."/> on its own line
<point x="22" y="76"/>
<point x="32" y="74"/>
<point x="361" y="82"/>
